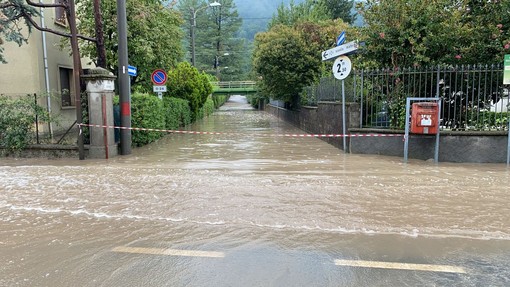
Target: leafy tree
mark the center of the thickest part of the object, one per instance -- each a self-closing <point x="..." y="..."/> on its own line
<point x="217" y="41"/>
<point x="339" y="9"/>
<point x="185" y="82"/>
<point x="17" y="14"/>
<point x="308" y="10"/>
<point x="287" y="59"/>
<point x="488" y="23"/>
<point x="314" y="11"/>
<point x="404" y="33"/>
<point x="11" y="16"/>
<point x="153" y="36"/>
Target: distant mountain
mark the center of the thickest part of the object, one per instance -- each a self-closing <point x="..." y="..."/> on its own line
<point x="256" y="15"/>
<point x="260" y="8"/>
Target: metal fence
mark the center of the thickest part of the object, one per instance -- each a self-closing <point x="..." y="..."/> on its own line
<point x="473" y="97"/>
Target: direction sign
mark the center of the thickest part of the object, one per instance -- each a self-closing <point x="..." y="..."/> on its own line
<point x="506" y="73"/>
<point x="159" y="77"/>
<point x="342" y="67"/>
<point x="340" y="50"/>
<point x="132" y="71"/>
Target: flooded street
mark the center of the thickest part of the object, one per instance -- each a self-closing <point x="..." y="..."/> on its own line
<point x="248" y="208"/>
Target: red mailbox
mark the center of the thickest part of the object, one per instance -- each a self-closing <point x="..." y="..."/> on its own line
<point x="424" y="118"/>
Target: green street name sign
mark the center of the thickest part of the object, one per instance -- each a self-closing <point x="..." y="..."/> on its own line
<point x="506" y="72"/>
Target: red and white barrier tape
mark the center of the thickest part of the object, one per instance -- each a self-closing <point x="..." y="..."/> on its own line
<point x="225" y="133"/>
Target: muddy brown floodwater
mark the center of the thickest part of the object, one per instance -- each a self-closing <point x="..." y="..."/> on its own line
<point x="249" y="208"/>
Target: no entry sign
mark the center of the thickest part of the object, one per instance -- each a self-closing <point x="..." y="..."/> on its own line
<point x="159" y="77"/>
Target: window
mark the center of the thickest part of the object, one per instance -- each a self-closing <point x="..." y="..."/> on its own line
<point x="66" y="84"/>
<point x="60" y="14"/>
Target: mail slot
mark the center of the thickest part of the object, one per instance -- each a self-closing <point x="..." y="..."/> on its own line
<point x="424" y="118"/>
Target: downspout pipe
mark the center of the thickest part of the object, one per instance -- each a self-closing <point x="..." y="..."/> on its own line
<point x="46" y="70"/>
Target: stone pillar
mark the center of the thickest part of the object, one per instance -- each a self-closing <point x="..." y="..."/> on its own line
<point x="100" y="91"/>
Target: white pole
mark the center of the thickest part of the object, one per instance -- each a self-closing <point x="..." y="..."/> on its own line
<point x="46" y="72"/>
<point x="344" y="125"/>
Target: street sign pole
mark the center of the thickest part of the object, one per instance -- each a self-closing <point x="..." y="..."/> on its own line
<point x="341" y="69"/>
<point x="124" y="81"/>
<point x="508" y="149"/>
<point x="506" y="81"/>
<point x="344" y="125"/>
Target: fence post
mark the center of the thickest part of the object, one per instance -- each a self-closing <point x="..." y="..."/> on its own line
<point x="36" y="119"/>
<point x="361" y="101"/>
<point x="508" y="149"/>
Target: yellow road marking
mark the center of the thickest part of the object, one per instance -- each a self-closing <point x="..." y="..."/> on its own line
<point x="170" y="252"/>
<point x="401" y="266"/>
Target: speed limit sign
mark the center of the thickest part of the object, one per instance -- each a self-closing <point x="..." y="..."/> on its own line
<point x="342" y="67"/>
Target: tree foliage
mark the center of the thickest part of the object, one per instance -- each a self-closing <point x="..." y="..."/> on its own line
<point x="219" y="49"/>
<point x="313" y="11"/>
<point x="287" y="58"/>
<point x="185" y="82"/>
<point x="154" y="36"/>
<point x="340" y="9"/>
<point x="404" y="33"/>
<point x="12" y="22"/>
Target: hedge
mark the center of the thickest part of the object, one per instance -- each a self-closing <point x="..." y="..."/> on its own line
<point x="147" y="111"/>
<point x="177" y="112"/>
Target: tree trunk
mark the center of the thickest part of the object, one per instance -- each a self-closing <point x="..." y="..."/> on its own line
<point x="101" y="51"/>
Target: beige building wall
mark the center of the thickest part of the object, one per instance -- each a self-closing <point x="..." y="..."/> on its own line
<point x="25" y="73"/>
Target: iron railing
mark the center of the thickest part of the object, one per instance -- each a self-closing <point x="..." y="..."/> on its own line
<point x="234" y="84"/>
<point x="473" y="97"/>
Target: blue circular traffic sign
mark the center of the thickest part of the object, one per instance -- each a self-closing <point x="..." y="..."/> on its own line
<point x="159" y="77"/>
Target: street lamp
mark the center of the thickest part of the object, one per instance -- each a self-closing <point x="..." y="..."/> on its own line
<point x="194" y="25"/>
<point x="217" y="64"/>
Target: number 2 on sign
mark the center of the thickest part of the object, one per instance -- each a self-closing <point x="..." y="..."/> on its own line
<point x="341" y="68"/>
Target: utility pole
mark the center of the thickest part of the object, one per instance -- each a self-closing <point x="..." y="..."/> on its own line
<point x="192" y="34"/>
<point x="218" y="48"/>
<point x="71" y="17"/>
<point x="124" y="82"/>
<point x="194" y="25"/>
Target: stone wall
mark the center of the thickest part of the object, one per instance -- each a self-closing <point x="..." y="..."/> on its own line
<point x="44" y="151"/>
<point x="326" y="118"/>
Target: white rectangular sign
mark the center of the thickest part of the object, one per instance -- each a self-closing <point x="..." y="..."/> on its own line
<point x="159" y="89"/>
<point x="340" y="50"/>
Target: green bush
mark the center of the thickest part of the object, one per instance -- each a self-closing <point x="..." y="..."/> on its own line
<point x="207" y="109"/>
<point x="219" y="100"/>
<point x="17" y="118"/>
<point x="177" y="112"/>
<point x="490" y="120"/>
<point x="147" y="111"/>
<point x="185" y="82"/>
<point x="256" y="99"/>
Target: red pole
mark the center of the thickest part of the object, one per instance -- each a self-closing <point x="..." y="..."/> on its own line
<point x="105" y="122"/>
